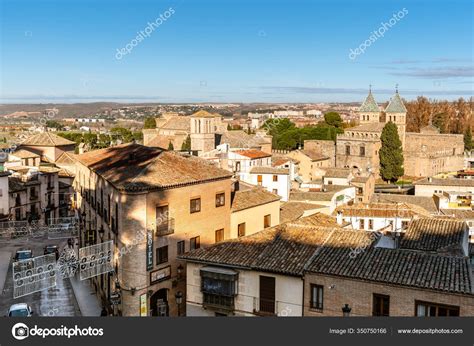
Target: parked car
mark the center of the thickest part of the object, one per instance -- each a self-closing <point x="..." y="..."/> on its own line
<point x="20" y="310"/>
<point x="52" y="249"/>
<point x="23" y="255"/>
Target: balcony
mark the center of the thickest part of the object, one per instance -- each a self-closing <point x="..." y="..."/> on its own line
<point x="264" y="307"/>
<point x="218" y="301"/>
<point x="165" y="227"/>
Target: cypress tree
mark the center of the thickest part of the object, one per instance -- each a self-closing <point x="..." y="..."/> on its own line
<point x="391" y="154"/>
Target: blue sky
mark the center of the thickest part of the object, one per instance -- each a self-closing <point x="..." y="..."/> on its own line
<point x="233" y="51"/>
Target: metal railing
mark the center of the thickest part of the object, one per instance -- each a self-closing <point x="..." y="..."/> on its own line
<point x="265" y="307"/>
<point x="165" y="227"/>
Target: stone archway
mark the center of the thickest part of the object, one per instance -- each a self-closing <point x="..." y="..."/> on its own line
<point x="159" y="303"/>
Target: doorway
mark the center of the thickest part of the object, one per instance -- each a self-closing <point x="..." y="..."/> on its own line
<point x="159" y="303"/>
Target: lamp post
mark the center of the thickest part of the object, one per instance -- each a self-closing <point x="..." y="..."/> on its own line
<point x="179" y="299"/>
<point x="180" y="271"/>
<point x="346" y="310"/>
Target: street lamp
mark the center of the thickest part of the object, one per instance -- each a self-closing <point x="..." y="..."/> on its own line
<point x="179" y="299"/>
<point x="346" y="310"/>
<point x="180" y="271"/>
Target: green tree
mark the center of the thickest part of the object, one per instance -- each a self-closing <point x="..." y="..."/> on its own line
<point x="91" y="140"/>
<point x="333" y="119"/>
<point x="468" y="140"/>
<point x="170" y="146"/>
<point x="391" y="153"/>
<point x="149" y="123"/>
<point x="439" y="121"/>
<point x="186" y="144"/>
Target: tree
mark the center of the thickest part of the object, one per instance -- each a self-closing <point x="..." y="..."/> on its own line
<point x="149" y="123"/>
<point x="468" y="140"/>
<point x="170" y="146"/>
<point x="391" y="153"/>
<point x="333" y="119"/>
<point x="186" y="146"/>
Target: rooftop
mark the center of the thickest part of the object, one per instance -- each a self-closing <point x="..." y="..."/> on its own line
<point x="434" y="234"/>
<point x="426" y="203"/>
<point x="369" y="104"/>
<point x="337" y="173"/>
<point x="314" y="155"/>
<point x="381" y="210"/>
<point x="135" y="168"/>
<point x="269" y="170"/>
<point x="24" y="154"/>
<point x="253" y="153"/>
<point x="459" y="213"/>
<point x="396" y="105"/>
<point x="369" y="127"/>
<point x="46" y="139"/>
<point x="291" y="211"/>
<point x="445" y="182"/>
<point x="252" y="197"/>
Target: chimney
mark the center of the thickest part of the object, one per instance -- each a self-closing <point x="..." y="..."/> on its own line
<point x="430" y="179"/>
<point x="339" y="217"/>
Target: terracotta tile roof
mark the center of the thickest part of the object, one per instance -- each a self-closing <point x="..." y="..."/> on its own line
<point x="204" y="114"/>
<point x="252" y="197"/>
<point x="241" y="139"/>
<point x="434" y="234"/>
<point x="337" y="173"/>
<point x="64" y="173"/>
<point x="381" y="210"/>
<point x="279" y="250"/>
<point x="279" y="161"/>
<point x="24" y="154"/>
<point x="421" y="201"/>
<point x="178" y="123"/>
<point x="360" y="179"/>
<point x="446" y="182"/>
<point x="253" y="153"/>
<point x="458" y="213"/>
<point x="269" y="170"/>
<point x="133" y="167"/>
<point x="291" y="211"/>
<point x="48" y="169"/>
<point x="396" y="267"/>
<point x="46" y="139"/>
<point x="317" y="219"/>
<point x="66" y="158"/>
<point x="314" y="155"/>
<point x="312" y="196"/>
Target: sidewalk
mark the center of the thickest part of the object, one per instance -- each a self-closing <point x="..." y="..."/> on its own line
<point x="4" y="264"/>
<point x="85" y="296"/>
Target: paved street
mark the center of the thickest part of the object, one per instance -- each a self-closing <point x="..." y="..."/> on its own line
<point x="57" y="301"/>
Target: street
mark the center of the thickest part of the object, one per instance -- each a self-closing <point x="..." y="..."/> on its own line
<point x="56" y="301"/>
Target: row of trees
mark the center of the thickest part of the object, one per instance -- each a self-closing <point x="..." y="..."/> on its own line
<point x="99" y="141"/>
<point x="287" y="136"/>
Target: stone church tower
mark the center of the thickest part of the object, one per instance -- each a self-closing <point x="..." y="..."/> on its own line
<point x="203" y="129"/>
<point x="369" y="112"/>
<point x="397" y="113"/>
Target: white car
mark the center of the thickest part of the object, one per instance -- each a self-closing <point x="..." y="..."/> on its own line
<point x="20" y="310"/>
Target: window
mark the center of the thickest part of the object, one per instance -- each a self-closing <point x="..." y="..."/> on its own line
<point x="219" y="235"/>
<point x="162" y="254"/>
<point x="348" y="149"/>
<point x="275" y="178"/>
<point x="195" y="205"/>
<point x="371" y="224"/>
<point x="380" y="305"/>
<point x="362" y="224"/>
<point x="259" y="179"/>
<point x="195" y="243"/>
<point x="362" y="151"/>
<point x="275" y="191"/>
<point x="329" y="182"/>
<point x="241" y="229"/>
<point x="267" y="221"/>
<point x="360" y="190"/>
<point x="180" y="247"/>
<point x="434" y="310"/>
<point x="220" y="199"/>
<point x="316" y="297"/>
<point x="218" y="287"/>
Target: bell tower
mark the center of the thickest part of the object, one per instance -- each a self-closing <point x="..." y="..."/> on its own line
<point x="203" y="130"/>
<point x="369" y="111"/>
<point x="396" y="112"/>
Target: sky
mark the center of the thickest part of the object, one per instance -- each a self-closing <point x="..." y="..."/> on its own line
<point x="234" y="51"/>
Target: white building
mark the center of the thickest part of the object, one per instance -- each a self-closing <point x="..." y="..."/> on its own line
<point x="429" y="186"/>
<point x="275" y="180"/>
<point x="241" y="161"/>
